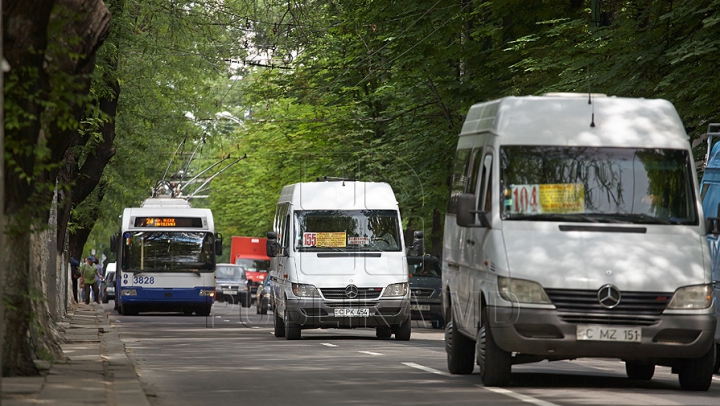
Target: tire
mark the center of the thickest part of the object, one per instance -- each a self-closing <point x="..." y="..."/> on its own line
<point x="383" y="332"/>
<point x="460" y="351"/>
<point x="292" y="330"/>
<point x="403" y="331"/>
<point x="245" y="301"/>
<point x="263" y="307"/>
<point x="696" y="374"/>
<point x="438" y="324"/>
<point x="279" y="326"/>
<point x="129" y="311"/>
<point x="716" y="368"/>
<point x="495" y="364"/>
<point x="104" y="298"/>
<point x="639" y="371"/>
<point x="203" y="311"/>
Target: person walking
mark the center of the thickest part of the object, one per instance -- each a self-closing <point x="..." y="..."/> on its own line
<point x="89" y="272"/>
<point x="75" y="273"/>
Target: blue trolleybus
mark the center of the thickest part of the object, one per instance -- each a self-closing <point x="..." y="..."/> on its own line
<point x="166" y="254"/>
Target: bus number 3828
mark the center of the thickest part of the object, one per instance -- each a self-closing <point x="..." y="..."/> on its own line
<point x="144" y="280"/>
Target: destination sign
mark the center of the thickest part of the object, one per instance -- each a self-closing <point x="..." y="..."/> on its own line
<point x="189" y="222"/>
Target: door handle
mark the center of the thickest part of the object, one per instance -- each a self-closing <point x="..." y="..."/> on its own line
<point x="471" y="242"/>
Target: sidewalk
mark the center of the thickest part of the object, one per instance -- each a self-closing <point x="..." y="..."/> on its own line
<point x="98" y="371"/>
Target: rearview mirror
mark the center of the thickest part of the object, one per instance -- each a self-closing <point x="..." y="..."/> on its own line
<point x="218" y="244"/>
<point x="271" y="245"/>
<point x="712" y="226"/>
<point x="418" y="243"/>
<point x="466" y="213"/>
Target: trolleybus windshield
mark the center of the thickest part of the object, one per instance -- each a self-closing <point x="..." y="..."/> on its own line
<point x="168" y="251"/>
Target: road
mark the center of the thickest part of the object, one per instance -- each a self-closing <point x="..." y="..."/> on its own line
<point x="231" y="357"/>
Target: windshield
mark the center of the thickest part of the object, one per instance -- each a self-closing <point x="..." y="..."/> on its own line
<point x="425" y="267"/>
<point x="254" y="265"/>
<point x="230" y="272"/>
<point x="607" y="185"/>
<point x="347" y="230"/>
<point x="168" y="251"/>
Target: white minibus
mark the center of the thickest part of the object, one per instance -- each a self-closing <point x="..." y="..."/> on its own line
<point x="574" y="229"/>
<point x="338" y="259"/>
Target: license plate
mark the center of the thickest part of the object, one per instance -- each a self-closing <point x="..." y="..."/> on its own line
<point x="420" y="307"/>
<point x="229" y="292"/>
<point x="352" y="312"/>
<point x="609" y="333"/>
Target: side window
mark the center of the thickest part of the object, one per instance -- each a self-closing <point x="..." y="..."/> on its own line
<point x="476" y="162"/>
<point x="459" y="178"/>
<point x="486" y="188"/>
<point x="285" y="240"/>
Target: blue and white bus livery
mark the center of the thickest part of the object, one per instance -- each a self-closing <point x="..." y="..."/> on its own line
<point x="166" y="254"/>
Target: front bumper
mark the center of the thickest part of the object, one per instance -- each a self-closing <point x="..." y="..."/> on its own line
<point x="320" y="313"/>
<point x="546" y="333"/>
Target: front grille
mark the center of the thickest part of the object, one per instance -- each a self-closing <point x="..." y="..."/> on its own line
<point x="617" y="319"/>
<point x="631" y="303"/>
<point x="339" y="293"/>
<point x="421" y="292"/>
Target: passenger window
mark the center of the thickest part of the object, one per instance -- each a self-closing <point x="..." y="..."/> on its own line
<point x="474" y="170"/>
<point x="459" y="178"/>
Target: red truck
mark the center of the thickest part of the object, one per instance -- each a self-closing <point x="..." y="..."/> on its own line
<point x="249" y="252"/>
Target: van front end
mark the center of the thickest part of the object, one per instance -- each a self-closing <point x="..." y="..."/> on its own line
<point x="348" y="306"/>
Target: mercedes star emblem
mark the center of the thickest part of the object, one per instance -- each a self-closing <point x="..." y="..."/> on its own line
<point x="351" y="291"/>
<point x="608" y="296"/>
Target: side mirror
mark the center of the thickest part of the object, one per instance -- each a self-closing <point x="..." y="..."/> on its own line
<point x="712" y="226"/>
<point x="114" y="241"/>
<point x="218" y="244"/>
<point x="271" y="245"/>
<point x="418" y="243"/>
<point x="466" y="212"/>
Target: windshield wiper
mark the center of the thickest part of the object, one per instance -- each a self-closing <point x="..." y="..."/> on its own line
<point x="636" y="218"/>
<point x="579" y="217"/>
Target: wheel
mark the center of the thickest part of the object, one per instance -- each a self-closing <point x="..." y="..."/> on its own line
<point x="438" y="324"/>
<point x="187" y="312"/>
<point x="460" y="351"/>
<point x="104" y="298"/>
<point x="202" y="310"/>
<point x="639" y="371"/>
<point x="292" y="330"/>
<point x="403" y="331"/>
<point x="263" y="307"/>
<point x="696" y="374"/>
<point x="494" y="363"/>
<point x="128" y="311"/>
<point x="383" y="332"/>
<point x="279" y="326"/>
<point x="716" y="368"/>
<point x="245" y="300"/>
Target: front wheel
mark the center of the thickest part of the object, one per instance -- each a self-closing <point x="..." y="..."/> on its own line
<point x="460" y="351"/>
<point x="292" y="330"/>
<point x="279" y="325"/>
<point x="383" y="332"/>
<point x="696" y="374"/>
<point x="639" y="371"/>
<point x="716" y="368"/>
<point x="495" y="363"/>
<point x="403" y="331"/>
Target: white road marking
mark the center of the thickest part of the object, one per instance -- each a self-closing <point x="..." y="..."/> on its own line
<point x="715" y="378"/>
<point x="226" y="320"/>
<point x="426" y="369"/>
<point x="370" y="353"/>
<point x="519" y="396"/>
<point x="329" y="345"/>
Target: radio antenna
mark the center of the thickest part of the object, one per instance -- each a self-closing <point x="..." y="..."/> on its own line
<point x="592" y="106"/>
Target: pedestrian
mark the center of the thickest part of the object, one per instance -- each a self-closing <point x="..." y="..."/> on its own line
<point x="98" y="276"/>
<point x="75" y="275"/>
<point x="89" y="272"/>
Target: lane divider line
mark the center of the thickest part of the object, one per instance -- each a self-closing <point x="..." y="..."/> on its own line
<point x="329" y="345"/>
<point x="370" y="353"/>
<point x="519" y="396"/>
<point x="426" y="369"/>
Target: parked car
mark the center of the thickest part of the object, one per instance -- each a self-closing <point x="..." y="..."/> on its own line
<point x="107" y="286"/>
<point x="262" y="300"/>
<point x="426" y="289"/>
<point x="231" y="285"/>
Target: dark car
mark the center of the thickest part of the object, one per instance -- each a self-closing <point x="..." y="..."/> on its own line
<point x="262" y="300"/>
<point x="107" y="286"/>
<point x="426" y="289"/>
<point x="231" y="285"/>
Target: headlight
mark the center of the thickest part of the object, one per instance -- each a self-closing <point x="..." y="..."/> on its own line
<point x="521" y="291"/>
<point x="396" y="290"/>
<point x="207" y="292"/>
<point x="692" y="297"/>
<point x="128" y="292"/>
<point x="302" y="290"/>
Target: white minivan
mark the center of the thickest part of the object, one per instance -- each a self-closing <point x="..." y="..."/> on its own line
<point x="338" y="259"/>
<point x="574" y="229"/>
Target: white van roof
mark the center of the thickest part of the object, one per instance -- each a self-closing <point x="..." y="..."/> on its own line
<point x="339" y="195"/>
<point x="565" y="119"/>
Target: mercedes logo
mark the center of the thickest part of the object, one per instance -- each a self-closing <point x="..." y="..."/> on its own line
<point x="608" y="296"/>
<point x="351" y="291"/>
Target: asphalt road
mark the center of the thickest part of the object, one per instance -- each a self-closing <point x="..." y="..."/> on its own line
<point x="232" y="358"/>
